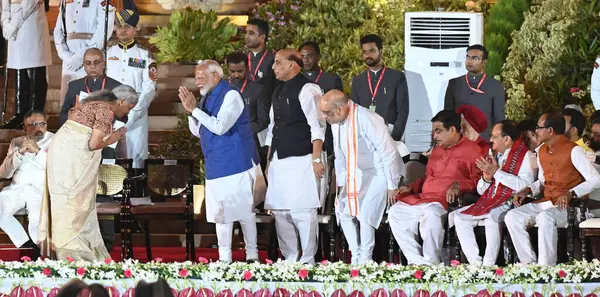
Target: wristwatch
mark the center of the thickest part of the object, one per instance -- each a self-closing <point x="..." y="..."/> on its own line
<point x="317" y="160"/>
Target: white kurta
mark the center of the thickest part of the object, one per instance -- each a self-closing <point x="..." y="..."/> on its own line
<point x="292" y="182"/>
<point x="84" y="27"/>
<point x="378" y="161"/>
<point x="465" y="223"/>
<point x="595" y="85"/>
<point x="546" y="216"/>
<point x="229" y="198"/>
<point x="29" y="43"/>
<point x="28" y="172"/>
<point x="131" y="67"/>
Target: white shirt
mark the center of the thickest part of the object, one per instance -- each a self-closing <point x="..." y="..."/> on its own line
<point x="376" y="148"/>
<point x="595" y="85"/>
<point x="517" y="182"/>
<point x="80" y="19"/>
<point x="308" y="97"/>
<point x="28" y="168"/>
<point x="585" y="168"/>
<point x="230" y="111"/>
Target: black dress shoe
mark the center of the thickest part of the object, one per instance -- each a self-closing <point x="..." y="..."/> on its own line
<point x="36" y="250"/>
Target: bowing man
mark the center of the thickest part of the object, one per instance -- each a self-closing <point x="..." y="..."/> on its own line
<point x="368" y="168"/>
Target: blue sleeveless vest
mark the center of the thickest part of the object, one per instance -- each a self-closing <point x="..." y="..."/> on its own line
<point x="232" y="152"/>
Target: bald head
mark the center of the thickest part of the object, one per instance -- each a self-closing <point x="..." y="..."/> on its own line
<point x="288" y="63"/>
<point x="93" y="62"/>
<point x="335" y="98"/>
<point x="334" y="106"/>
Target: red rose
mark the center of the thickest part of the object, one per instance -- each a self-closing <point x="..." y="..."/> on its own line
<point x="562" y="274"/>
<point x="127" y="273"/>
<point x="303" y="273"/>
<point x="499" y="272"/>
<point x="107" y="260"/>
<point x="418" y="274"/>
<point x="158" y="260"/>
<point x="354" y="273"/>
<point x="247" y="275"/>
<point x="454" y="263"/>
<point x="183" y="272"/>
<point x="47" y="271"/>
<point x="324" y="262"/>
<point x="70" y="259"/>
<point x="25" y="259"/>
<point x="80" y="271"/>
<point x="268" y="261"/>
<point x="202" y="260"/>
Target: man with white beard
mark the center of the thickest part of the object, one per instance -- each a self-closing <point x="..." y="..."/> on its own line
<point x="26" y="165"/>
<point x="368" y="168"/>
<point x="222" y="123"/>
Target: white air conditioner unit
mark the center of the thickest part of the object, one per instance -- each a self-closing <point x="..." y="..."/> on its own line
<point x="435" y="49"/>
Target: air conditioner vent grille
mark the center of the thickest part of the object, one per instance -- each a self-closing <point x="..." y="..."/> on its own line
<point x="440" y="33"/>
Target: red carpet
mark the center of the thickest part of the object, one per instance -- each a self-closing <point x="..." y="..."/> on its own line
<point x="168" y="254"/>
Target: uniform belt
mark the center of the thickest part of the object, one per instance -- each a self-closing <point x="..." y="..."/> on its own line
<point x="86" y="36"/>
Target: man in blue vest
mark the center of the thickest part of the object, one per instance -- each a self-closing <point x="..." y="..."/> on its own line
<point x="222" y="123"/>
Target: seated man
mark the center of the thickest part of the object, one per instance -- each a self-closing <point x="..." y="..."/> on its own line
<point x="564" y="174"/>
<point x="26" y="165"/>
<point x="451" y="170"/>
<point x="473" y="123"/>
<point x="575" y="126"/>
<point x="508" y="172"/>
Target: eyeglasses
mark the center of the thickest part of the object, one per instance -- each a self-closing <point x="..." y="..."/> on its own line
<point x="37" y="124"/>
<point x="540" y="127"/>
<point x="473" y="58"/>
<point x="96" y="62"/>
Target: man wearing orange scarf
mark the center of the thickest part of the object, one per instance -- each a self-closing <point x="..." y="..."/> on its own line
<point x="368" y="169"/>
<point x="504" y="174"/>
<point x="451" y="170"/>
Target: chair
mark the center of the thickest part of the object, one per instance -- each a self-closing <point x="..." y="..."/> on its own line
<point x="112" y="177"/>
<point x="415" y="165"/>
<point x="172" y="199"/>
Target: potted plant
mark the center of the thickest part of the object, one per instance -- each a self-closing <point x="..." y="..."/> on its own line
<point x="193" y="35"/>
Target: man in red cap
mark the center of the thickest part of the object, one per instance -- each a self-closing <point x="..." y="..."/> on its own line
<point x="473" y="123"/>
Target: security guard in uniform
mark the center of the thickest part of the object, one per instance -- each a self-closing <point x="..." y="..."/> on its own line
<point x="79" y="26"/>
<point x="131" y="64"/>
<point x="25" y="26"/>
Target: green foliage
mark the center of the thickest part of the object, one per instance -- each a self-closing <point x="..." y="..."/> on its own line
<point x="337" y="26"/>
<point x="505" y="17"/>
<point x="194" y="35"/>
<point x="181" y="144"/>
<point x="551" y="58"/>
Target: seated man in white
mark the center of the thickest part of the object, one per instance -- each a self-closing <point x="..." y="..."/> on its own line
<point x="507" y="172"/>
<point x="26" y="165"/>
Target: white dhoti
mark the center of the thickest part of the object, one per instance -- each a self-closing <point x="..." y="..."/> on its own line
<point x="14" y="198"/>
<point x="407" y="220"/>
<point x="359" y="230"/>
<point x="547" y="218"/>
<point x="230" y="199"/>
<point x="293" y="198"/>
<point x="465" y="224"/>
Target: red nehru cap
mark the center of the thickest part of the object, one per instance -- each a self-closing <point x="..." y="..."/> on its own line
<point x="474" y="117"/>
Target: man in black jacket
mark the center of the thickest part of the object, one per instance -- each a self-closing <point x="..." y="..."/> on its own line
<point x="256" y="98"/>
<point x="381" y="88"/>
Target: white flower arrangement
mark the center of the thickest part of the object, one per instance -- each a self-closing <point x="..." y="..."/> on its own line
<point x="324" y="272"/>
<point x="204" y="5"/>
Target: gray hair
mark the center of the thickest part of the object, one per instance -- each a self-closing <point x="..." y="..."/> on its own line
<point x="122" y="92"/>
<point x="212" y="66"/>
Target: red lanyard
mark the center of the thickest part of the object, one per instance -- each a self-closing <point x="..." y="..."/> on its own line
<point x="257" y="66"/>
<point x="88" y="88"/>
<point x="319" y="76"/>
<point x="374" y="93"/>
<point x="243" y="86"/>
<point x="477" y="90"/>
